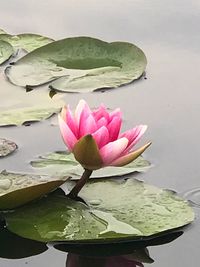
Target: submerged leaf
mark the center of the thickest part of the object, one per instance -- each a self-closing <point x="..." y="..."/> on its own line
<point x="6" y="147"/>
<point x="26" y="41"/>
<point x="63" y="163"/>
<point x="17" y="189"/>
<point x="116" y="211"/>
<point x="83" y="63"/>
<point x="6" y="51"/>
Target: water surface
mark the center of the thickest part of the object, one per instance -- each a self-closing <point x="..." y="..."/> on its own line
<point x="167" y="101"/>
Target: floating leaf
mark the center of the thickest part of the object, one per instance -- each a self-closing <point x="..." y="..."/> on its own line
<point x="22" y="115"/>
<point x="64" y="163"/>
<point x="21" y="107"/>
<point x="17" y="189"/>
<point x="2" y="31"/>
<point x="116" y="211"/>
<point x="83" y="63"/>
<point x="26" y="41"/>
<point x="6" y="147"/>
<point x="6" y="51"/>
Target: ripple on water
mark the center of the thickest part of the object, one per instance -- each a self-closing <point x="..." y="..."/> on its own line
<point x="193" y="196"/>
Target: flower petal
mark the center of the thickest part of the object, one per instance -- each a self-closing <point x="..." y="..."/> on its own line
<point x="71" y="122"/>
<point x="101" y="136"/>
<point x="82" y="106"/>
<point x="134" y="135"/>
<point x="87" y="125"/>
<point x="67" y="135"/>
<point x="87" y="154"/>
<point x="113" y="150"/>
<point x="101" y="112"/>
<point x="114" y="128"/>
<point x="124" y="160"/>
<point x="115" y="113"/>
<point x="102" y="122"/>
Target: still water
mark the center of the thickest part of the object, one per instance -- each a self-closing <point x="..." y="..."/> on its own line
<point x="167" y="101"/>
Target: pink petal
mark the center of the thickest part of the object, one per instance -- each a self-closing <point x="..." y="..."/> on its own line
<point x="100" y="113"/>
<point x="82" y="106"/>
<point x="101" y="136"/>
<point x="113" y="150"/>
<point x="67" y="135"/>
<point x="114" y="128"/>
<point x="115" y="113"/>
<point x="71" y="122"/>
<point x="102" y="122"/>
<point x="134" y="135"/>
<point x="128" y="158"/>
<point x="87" y="125"/>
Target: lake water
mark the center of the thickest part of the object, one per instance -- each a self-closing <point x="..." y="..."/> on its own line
<point x="168" y="101"/>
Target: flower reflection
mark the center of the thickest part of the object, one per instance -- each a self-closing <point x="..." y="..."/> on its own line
<point x="74" y="260"/>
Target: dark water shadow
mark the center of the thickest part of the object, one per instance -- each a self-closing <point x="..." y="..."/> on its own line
<point x="15" y="247"/>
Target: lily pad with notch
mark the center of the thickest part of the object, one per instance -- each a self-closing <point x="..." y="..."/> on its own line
<point x="21" y="107"/>
<point x="83" y="64"/>
<point x="64" y="163"/>
<point x="116" y="211"/>
<point x="17" y="189"/>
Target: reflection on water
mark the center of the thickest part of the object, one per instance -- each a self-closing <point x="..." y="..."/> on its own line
<point x="15" y="247"/>
<point x="74" y="260"/>
<point x="193" y="196"/>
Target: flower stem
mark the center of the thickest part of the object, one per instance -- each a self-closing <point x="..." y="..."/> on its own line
<point x="79" y="185"/>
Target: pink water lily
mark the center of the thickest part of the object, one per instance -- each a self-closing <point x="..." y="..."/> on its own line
<point x="94" y="137"/>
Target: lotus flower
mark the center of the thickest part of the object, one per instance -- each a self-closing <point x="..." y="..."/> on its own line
<point x="94" y="137"/>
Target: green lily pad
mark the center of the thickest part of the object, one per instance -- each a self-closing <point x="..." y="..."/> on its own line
<point x="17" y="189"/>
<point x="22" y="115"/>
<point x="26" y="41"/>
<point x="6" y="51"/>
<point x="6" y="147"/>
<point x="21" y="107"/>
<point x="83" y="63"/>
<point x="116" y="211"/>
<point x="64" y="163"/>
<point x="2" y="31"/>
